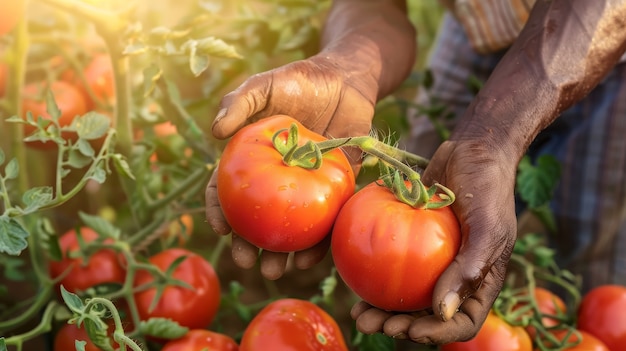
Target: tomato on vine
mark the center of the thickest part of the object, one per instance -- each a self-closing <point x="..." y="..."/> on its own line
<point x="192" y="306"/>
<point x="292" y="324"/>
<point x="393" y="256"/>
<point x="202" y="339"/>
<point x="601" y="313"/>
<point x="65" y="339"/>
<point x="273" y="204"/>
<point x="576" y="340"/>
<point x="494" y="335"/>
<point x="104" y="266"/>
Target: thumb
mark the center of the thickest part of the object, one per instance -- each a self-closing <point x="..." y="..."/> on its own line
<point x="240" y="105"/>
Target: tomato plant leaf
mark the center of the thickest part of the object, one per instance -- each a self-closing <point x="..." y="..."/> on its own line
<point x="198" y="63"/>
<point x="535" y="183"/>
<point x="92" y="125"/>
<point x="163" y="328"/>
<point x="73" y="302"/>
<point x="97" y="334"/>
<point x="12" y="236"/>
<point x="12" y="169"/>
<point x="51" y="106"/>
<point x="151" y="75"/>
<point x="373" y="342"/>
<point x="36" y="198"/>
<point x="216" y="47"/>
<point x="80" y="345"/>
<point x="122" y="165"/>
<point x="85" y="148"/>
<point x="100" y="225"/>
<point x="3" y="345"/>
<point x="77" y="159"/>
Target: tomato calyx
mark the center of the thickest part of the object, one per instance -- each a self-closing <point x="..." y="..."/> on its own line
<point x="308" y="156"/>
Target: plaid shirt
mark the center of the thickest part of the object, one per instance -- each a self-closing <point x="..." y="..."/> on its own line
<point x="588" y="139"/>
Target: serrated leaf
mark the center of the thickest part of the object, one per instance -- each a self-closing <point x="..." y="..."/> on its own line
<point x="12" y="169"/>
<point x="92" y="125"/>
<point x="72" y="301"/>
<point x="51" y="106"/>
<point x="77" y="160"/>
<point x="98" y="335"/>
<point x="12" y="236"/>
<point x="37" y="197"/>
<point x="162" y="328"/>
<point x="100" y="225"/>
<point x="198" y="63"/>
<point x="216" y="47"/>
<point x="535" y="184"/>
<point x="122" y="166"/>
<point x="99" y="175"/>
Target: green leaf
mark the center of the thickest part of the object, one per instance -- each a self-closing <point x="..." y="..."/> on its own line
<point x="36" y="198"/>
<point x="76" y="159"/>
<point x="198" y="63"/>
<point x="162" y="328"/>
<point x="51" y="106"/>
<point x="12" y="169"/>
<point x="12" y="236"/>
<point x="85" y="148"/>
<point x="373" y="342"/>
<point x="92" y="125"/>
<point x="122" y="166"/>
<point x="100" y="225"/>
<point x="80" y="345"/>
<point x="73" y="302"/>
<point x="98" y="334"/>
<point x="99" y="175"/>
<point x="3" y="345"/>
<point x="12" y="266"/>
<point x="535" y="184"/>
<point x="211" y="46"/>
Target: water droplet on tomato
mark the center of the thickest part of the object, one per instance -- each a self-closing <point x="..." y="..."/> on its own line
<point x="282" y="187"/>
<point x="245" y="185"/>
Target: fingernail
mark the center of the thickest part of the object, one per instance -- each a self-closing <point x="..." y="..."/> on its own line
<point x="449" y="305"/>
<point x="220" y="114"/>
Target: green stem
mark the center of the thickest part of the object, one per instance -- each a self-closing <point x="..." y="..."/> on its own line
<point x="42" y="299"/>
<point x="197" y="176"/>
<point x="217" y="251"/>
<point x="118" y="334"/>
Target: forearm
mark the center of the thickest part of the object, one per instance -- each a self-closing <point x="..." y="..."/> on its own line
<point x="566" y="48"/>
<point x="373" y="39"/>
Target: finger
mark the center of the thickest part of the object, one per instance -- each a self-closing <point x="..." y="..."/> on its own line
<point x="273" y="264"/>
<point x="467" y="321"/>
<point x="397" y="326"/>
<point x="372" y="320"/>
<point x="358" y="308"/>
<point x="213" y="210"/>
<point x="244" y="254"/>
<point x="239" y="105"/>
<point x="308" y="258"/>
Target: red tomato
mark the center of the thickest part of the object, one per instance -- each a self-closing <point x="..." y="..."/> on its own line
<point x="201" y="339"/>
<point x="292" y="325"/>
<point x="548" y="303"/>
<point x="601" y="313"/>
<point x="494" y="335"/>
<point x="65" y="338"/>
<point x="99" y="76"/>
<point x="68" y="98"/>
<point x="275" y="206"/>
<point x="391" y="254"/>
<point x="587" y="342"/>
<point x="192" y="308"/>
<point x="104" y="266"/>
<point x="11" y="12"/>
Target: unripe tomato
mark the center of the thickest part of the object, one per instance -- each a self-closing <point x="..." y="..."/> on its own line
<point x="292" y="325"/>
<point x="102" y="267"/>
<point x="390" y="253"/>
<point x="275" y="206"/>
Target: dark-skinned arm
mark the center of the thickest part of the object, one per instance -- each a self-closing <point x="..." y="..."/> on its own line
<point x="565" y="50"/>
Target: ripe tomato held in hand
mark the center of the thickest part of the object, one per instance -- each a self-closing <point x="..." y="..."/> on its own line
<point x="201" y="339"/>
<point x="274" y="206"/>
<point x="102" y="267"/>
<point x="69" y="100"/>
<point x="292" y="325"/>
<point x="494" y="335"/>
<point x="194" y="308"/>
<point x="602" y="314"/>
<point x="391" y="254"/>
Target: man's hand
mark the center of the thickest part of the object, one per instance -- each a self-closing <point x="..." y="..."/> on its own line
<point x="483" y="180"/>
<point x="325" y="99"/>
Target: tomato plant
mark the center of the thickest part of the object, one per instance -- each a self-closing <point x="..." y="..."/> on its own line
<point x="577" y="340"/>
<point x="180" y="229"/>
<point x="102" y="267"/>
<point x="99" y="78"/>
<point x="549" y="305"/>
<point x="65" y="339"/>
<point x="601" y="313"/>
<point x="494" y="335"/>
<point x="271" y="204"/>
<point x="11" y="12"/>
<point x="292" y="325"/>
<point x="393" y="256"/>
<point x="201" y="339"/>
<point x="69" y="99"/>
<point x="194" y="306"/>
